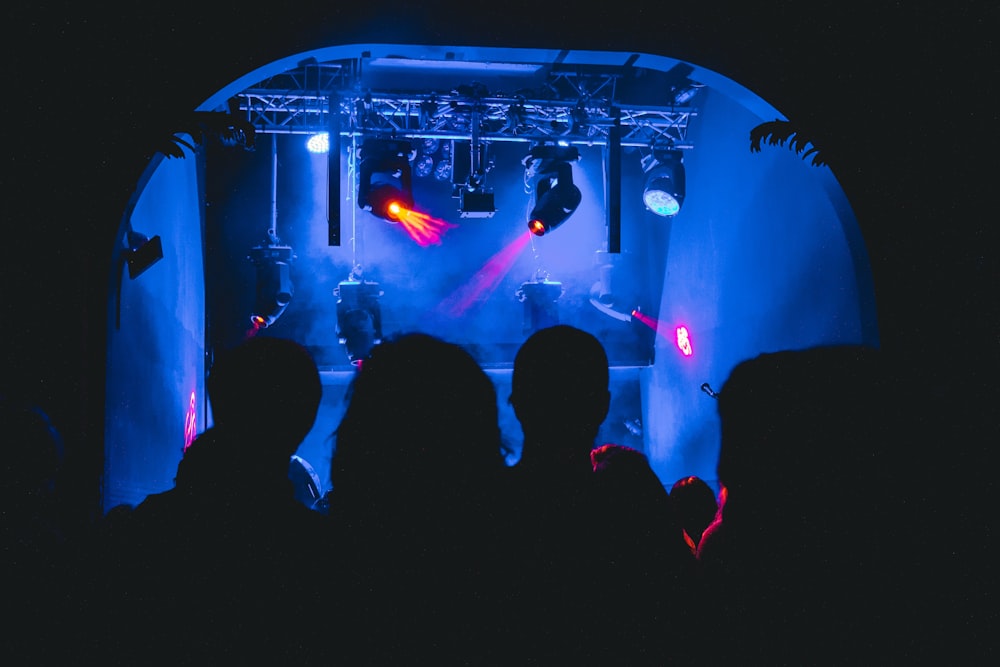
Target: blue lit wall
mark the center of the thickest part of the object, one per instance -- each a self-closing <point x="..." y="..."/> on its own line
<point x="764" y="256"/>
<point x="156" y="351"/>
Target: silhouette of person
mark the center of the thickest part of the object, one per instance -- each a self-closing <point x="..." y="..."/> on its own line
<point x="594" y="544"/>
<point x="648" y="576"/>
<point x="225" y="566"/>
<point x="416" y="501"/>
<point x="696" y="506"/>
<point x="805" y="563"/>
<point x="34" y="535"/>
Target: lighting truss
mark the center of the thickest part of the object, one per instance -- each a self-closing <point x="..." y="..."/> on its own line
<point x="298" y="102"/>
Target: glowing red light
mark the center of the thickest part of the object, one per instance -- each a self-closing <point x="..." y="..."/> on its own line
<point x="684" y="341"/>
<point x="537" y="227"/>
<point x="682" y="336"/>
<point x="395" y="210"/>
<point x="422" y="228"/>
<point x="190" y="422"/>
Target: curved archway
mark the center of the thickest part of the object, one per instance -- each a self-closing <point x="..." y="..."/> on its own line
<point x="764" y="255"/>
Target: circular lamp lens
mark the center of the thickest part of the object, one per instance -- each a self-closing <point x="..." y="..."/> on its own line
<point x="660" y="202"/>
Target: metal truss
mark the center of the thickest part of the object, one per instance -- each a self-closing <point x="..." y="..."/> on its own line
<point x="569" y="106"/>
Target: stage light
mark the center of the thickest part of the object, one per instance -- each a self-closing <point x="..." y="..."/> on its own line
<point x="319" y="143"/>
<point x="142" y="253"/>
<point x="359" y="317"/>
<point x="274" y="287"/>
<point x="442" y="171"/>
<point x="541" y="304"/>
<point x="476" y="204"/>
<point x="680" y="89"/>
<point x="549" y="174"/>
<point x="663" y="193"/>
<point x="385" y="179"/>
<point x="423" y="166"/>
<point x="430" y="145"/>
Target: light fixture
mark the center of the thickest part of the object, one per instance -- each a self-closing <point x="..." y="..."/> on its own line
<point x="142" y="252"/>
<point x="476" y="203"/>
<point x="274" y="281"/>
<point x="547" y="171"/>
<point x="318" y="143"/>
<point x="663" y="193"/>
<point x="476" y="199"/>
<point x="541" y="304"/>
<point x="679" y="87"/>
<point x="442" y="172"/>
<point x="359" y="317"/>
<point x="423" y="166"/>
<point x="384" y="178"/>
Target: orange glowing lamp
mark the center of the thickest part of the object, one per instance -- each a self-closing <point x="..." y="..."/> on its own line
<point x="394" y="211"/>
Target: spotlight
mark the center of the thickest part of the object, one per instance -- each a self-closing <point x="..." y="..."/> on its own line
<point x="556" y="197"/>
<point x="318" y="143"/>
<point x="274" y="282"/>
<point x="665" y="182"/>
<point x="442" y="171"/>
<point x="423" y="166"/>
<point x="430" y="145"/>
<point x="384" y="178"/>
<point x="142" y="253"/>
<point x="359" y="317"/>
<point x="680" y="89"/>
<point x="541" y="307"/>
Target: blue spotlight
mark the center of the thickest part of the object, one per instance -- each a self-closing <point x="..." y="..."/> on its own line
<point x="318" y="143"/>
<point x="665" y="183"/>
<point x="423" y="166"/>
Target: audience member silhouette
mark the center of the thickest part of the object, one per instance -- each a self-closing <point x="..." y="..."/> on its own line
<point x="33" y="532"/>
<point x="804" y="566"/>
<point x="647" y="585"/>
<point x="417" y="504"/>
<point x="696" y="506"/>
<point x="225" y="566"/>
<point x="597" y="548"/>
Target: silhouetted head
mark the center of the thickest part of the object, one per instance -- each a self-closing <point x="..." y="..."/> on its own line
<point x="559" y="388"/>
<point x="421" y="421"/>
<point x="35" y="452"/>
<point x="803" y="425"/>
<point x="695" y="503"/>
<point x="267" y="391"/>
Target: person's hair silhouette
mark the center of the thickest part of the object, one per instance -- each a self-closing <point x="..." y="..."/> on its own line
<point x="416" y="501"/>
<point x="421" y="423"/>
<point x="810" y="523"/>
<point x="560" y="395"/>
<point x="268" y="388"/>
<point x="695" y="504"/>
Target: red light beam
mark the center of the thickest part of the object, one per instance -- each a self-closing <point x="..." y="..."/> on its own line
<point x="681" y="336"/>
<point x="422" y="228"/>
<point x="485" y="280"/>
